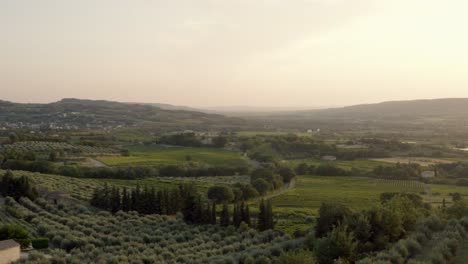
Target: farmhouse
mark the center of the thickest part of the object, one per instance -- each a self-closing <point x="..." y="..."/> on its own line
<point x="9" y="251"/>
<point x="57" y="196"/>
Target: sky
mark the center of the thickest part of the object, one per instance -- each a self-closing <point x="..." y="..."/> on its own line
<point x="273" y="53"/>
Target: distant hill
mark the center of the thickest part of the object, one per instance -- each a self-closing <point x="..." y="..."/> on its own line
<point x="174" y="107"/>
<point x="77" y="113"/>
<point x="416" y="109"/>
<point x="440" y="115"/>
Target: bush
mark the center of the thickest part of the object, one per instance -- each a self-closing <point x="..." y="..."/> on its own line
<point x="40" y="243"/>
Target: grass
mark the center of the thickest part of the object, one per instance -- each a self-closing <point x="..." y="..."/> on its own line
<point x="157" y="155"/>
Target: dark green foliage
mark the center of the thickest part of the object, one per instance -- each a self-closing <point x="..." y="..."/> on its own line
<point x="15" y="232"/>
<point x="182" y="139"/>
<point x="220" y="141"/>
<point x="339" y="244"/>
<point x="17" y="187"/>
<point x="262" y="186"/>
<point x="287" y="174"/>
<point x="398" y="171"/>
<point x="225" y="219"/>
<point x="40" y="243"/>
<point x="331" y="214"/>
<point x="265" y="216"/>
<point x="220" y="194"/>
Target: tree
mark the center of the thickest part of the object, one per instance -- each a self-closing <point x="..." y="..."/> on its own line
<point x="225" y="219"/>
<point x="287" y="174"/>
<point x="13" y="231"/>
<point x="213" y="214"/>
<point x="126" y="202"/>
<point x="330" y="215"/>
<point x="339" y="244"/>
<point x="220" y="141"/>
<point x="265" y="216"/>
<point x="236" y="216"/>
<point x="220" y="194"/>
<point x="262" y="186"/>
<point x="245" y="214"/>
<point x="302" y="169"/>
<point x="456" y="197"/>
<point x="13" y="137"/>
<point x="53" y="156"/>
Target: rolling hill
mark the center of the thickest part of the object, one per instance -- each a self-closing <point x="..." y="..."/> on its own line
<point x="77" y="113"/>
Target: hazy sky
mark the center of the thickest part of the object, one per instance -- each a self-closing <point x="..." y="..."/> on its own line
<point x="233" y="52"/>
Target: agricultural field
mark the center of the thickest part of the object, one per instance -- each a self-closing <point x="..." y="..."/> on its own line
<point x="365" y="165"/>
<point x="79" y="235"/>
<point x="47" y="147"/>
<point x="158" y="155"/>
<point x="423" y="161"/>
<point x="357" y="193"/>
<point x="82" y="189"/>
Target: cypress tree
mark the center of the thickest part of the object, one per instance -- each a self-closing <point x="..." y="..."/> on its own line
<point x="126" y="203"/>
<point x="236" y="219"/>
<point x="213" y="214"/>
<point x="262" y="215"/>
<point x="115" y="202"/>
<point x="245" y="213"/>
<point x="269" y="216"/>
<point x="224" y="220"/>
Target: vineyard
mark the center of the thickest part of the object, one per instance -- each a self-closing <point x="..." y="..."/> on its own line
<point x="403" y="185"/>
<point x="79" y="235"/>
<point x="47" y="147"/>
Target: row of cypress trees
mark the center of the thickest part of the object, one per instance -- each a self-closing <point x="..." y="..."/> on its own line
<point x="183" y="199"/>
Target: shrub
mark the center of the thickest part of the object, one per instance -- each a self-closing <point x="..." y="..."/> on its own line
<point x="40" y="243"/>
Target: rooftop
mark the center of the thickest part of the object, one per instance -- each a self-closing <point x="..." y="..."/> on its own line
<point x="7" y="244"/>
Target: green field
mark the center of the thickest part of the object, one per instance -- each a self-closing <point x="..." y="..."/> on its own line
<point x="363" y="164"/>
<point x="156" y="155"/>
<point x="358" y="193"/>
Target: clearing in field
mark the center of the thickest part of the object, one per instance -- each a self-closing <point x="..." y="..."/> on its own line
<point x="158" y="155"/>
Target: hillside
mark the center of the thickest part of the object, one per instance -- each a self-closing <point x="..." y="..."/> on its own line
<point x="438" y="115"/>
<point x="76" y="113"/>
<point x="416" y="109"/>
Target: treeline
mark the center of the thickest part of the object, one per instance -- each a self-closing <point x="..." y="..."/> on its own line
<point x="398" y="171"/>
<point x="184" y="199"/>
<point x="296" y="147"/>
<point x="453" y="170"/>
<point x="134" y="172"/>
<point x="17" y="187"/>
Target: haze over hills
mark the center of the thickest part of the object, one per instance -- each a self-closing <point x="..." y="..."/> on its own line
<point x="413" y="109"/>
<point x="99" y="113"/>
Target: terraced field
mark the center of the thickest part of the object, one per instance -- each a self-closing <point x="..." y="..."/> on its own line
<point x="157" y="155"/>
